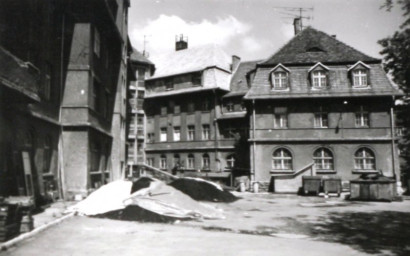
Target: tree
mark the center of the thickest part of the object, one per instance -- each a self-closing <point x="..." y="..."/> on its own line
<point x="396" y="58"/>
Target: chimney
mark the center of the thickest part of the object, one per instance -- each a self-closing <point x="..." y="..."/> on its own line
<point x="297" y="23"/>
<point x="235" y="62"/>
<point x="181" y="43"/>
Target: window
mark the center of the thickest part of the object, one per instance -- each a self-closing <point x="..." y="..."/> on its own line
<point x="282" y="160"/>
<point x="163" y="136"/>
<point x="95" y="157"/>
<point x="230" y="162"/>
<point x="205" y="105"/>
<point x="150" y="161"/>
<point x="362" y="118"/>
<point x="205" y="162"/>
<point x="280" y="80"/>
<point x="163" y="162"/>
<point x="359" y="78"/>
<point x="96" y="42"/>
<point x="169" y="85"/>
<point x="191" y="161"/>
<point x="321" y="119"/>
<point x="47" y="155"/>
<point x="323" y="159"/>
<point x="364" y="159"/>
<point x="95" y="100"/>
<point x="230" y="106"/>
<point x="177" y="133"/>
<point x="319" y="79"/>
<point x="191" y="132"/>
<point x="151" y="137"/>
<point x="196" y="79"/>
<point x="177" y="160"/>
<point x="163" y="110"/>
<point x="177" y="109"/>
<point x="131" y="150"/>
<point x="191" y="107"/>
<point x="280" y="117"/>
<point x="205" y="132"/>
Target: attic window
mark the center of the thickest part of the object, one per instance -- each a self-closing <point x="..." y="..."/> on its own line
<point x="314" y="49"/>
<point x="319" y="79"/>
<point x="359" y="78"/>
<point x="169" y="85"/>
<point x="280" y="80"/>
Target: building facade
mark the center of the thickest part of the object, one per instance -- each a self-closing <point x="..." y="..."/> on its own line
<point x="190" y="130"/>
<point x="63" y="139"/>
<point x="143" y="69"/>
<point x="320" y="107"/>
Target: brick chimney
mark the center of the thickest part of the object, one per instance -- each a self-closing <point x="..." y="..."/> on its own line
<point x="297" y="23"/>
<point x="181" y="43"/>
<point x="235" y="62"/>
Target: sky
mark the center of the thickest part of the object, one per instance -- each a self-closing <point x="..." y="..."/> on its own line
<point x="256" y="29"/>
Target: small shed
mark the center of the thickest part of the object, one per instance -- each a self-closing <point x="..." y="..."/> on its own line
<point x="373" y="188"/>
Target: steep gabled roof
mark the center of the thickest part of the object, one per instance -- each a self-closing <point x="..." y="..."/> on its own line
<point x="190" y="60"/>
<point x="312" y="46"/>
<point x="139" y="57"/>
<point x="239" y="84"/>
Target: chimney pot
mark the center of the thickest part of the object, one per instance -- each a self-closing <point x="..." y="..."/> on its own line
<point x="181" y="43"/>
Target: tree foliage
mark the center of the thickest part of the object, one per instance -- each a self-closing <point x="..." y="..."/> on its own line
<point x="396" y="58"/>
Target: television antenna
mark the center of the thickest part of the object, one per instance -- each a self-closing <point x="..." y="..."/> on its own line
<point x="145" y="52"/>
<point x="303" y="13"/>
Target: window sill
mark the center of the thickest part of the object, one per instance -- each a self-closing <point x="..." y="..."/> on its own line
<point x="325" y="171"/>
<point x="361" y="87"/>
<point x="282" y="171"/>
<point x="321" y="127"/>
<point x="359" y="171"/>
<point x="280" y="89"/>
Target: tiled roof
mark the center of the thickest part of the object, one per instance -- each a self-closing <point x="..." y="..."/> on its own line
<point x="339" y="84"/>
<point x="15" y="74"/>
<point x="190" y="60"/>
<point x="139" y="57"/>
<point x="312" y="46"/>
<point x="239" y="85"/>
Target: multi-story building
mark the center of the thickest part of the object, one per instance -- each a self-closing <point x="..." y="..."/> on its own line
<point x="143" y="69"/>
<point x="189" y="127"/>
<point x="69" y="58"/>
<point x="319" y="106"/>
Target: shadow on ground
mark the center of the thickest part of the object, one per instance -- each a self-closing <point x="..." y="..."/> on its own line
<point x="381" y="232"/>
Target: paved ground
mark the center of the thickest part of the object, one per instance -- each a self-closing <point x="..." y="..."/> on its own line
<point x="255" y="225"/>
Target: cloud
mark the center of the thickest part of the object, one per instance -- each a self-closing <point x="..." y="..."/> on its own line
<point x="160" y="33"/>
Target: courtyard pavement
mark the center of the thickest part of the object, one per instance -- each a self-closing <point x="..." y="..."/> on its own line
<point x="257" y="224"/>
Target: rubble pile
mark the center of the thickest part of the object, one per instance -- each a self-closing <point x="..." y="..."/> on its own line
<point x="151" y="200"/>
<point x="203" y="190"/>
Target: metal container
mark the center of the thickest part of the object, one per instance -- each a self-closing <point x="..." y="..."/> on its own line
<point x="373" y="189"/>
<point x="332" y="185"/>
<point x="311" y="184"/>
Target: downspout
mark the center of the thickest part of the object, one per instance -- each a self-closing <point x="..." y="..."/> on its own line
<point x="393" y="146"/>
<point x="60" y="171"/>
<point x="215" y="132"/>
<point x="254" y="143"/>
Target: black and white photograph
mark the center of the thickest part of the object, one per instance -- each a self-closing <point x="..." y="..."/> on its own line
<point x="204" y="127"/>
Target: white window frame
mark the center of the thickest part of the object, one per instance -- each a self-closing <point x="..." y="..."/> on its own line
<point x="365" y="161"/>
<point x="360" y="79"/>
<point x="191" y="162"/>
<point x="321" y="119"/>
<point x="150" y="161"/>
<point x="282" y="159"/>
<point x="163" y="162"/>
<point x="230" y="107"/>
<point x="362" y="118"/>
<point x="323" y="162"/>
<point x="163" y="134"/>
<point x="206" y="132"/>
<point x="191" y="133"/>
<point x="280" y="121"/>
<point x="280" y="80"/>
<point x="177" y="133"/>
<point x="206" y="162"/>
<point x="230" y="162"/>
<point x="319" y="79"/>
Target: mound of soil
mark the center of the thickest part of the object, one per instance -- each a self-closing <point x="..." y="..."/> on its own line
<point x="203" y="190"/>
<point x="141" y="183"/>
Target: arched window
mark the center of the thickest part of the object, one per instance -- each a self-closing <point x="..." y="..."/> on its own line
<point x="230" y="162"/>
<point x="191" y="161"/>
<point x="282" y="160"/>
<point x="364" y="159"/>
<point x="205" y="162"/>
<point x="323" y="158"/>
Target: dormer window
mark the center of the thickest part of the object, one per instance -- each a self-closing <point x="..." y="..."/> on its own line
<point x="169" y="85"/>
<point x="319" y="76"/>
<point x="280" y="80"/>
<point x="279" y="77"/>
<point x="359" y="74"/>
<point x="359" y="78"/>
<point x="319" y="79"/>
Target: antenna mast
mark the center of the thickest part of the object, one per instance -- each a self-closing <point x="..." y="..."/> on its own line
<point x="303" y="13"/>
<point x="145" y="52"/>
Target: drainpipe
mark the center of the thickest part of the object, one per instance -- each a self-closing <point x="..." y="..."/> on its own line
<point x="60" y="170"/>
<point x="254" y="143"/>
<point x="216" y="128"/>
<point x="393" y="147"/>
